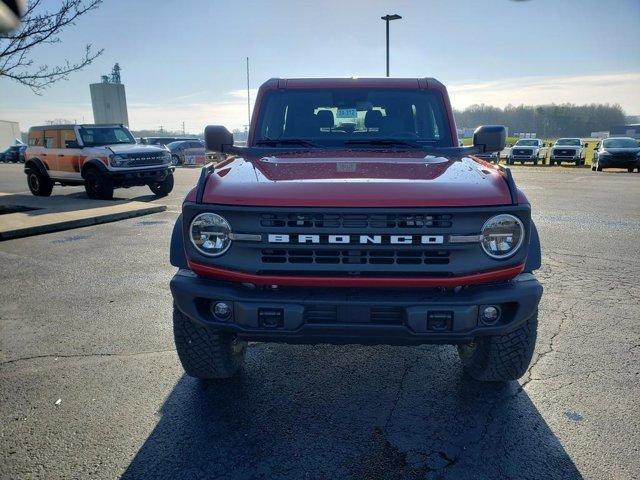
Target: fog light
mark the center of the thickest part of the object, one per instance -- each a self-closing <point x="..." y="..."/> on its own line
<point x="221" y="310"/>
<point x="490" y="315"/>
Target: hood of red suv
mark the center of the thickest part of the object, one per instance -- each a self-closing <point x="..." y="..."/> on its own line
<point x="356" y="179"/>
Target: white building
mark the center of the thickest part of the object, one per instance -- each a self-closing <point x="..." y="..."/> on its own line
<point x="9" y="133"/>
<point x="109" y="100"/>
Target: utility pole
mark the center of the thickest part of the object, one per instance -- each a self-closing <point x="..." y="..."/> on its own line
<point x="183" y="130"/>
<point x="387" y="19"/>
<point x="248" y="95"/>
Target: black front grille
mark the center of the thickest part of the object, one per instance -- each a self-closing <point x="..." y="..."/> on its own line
<point x="564" y="153"/>
<point x="522" y="151"/>
<point x="356" y="257"/>
<point x="380" y="315"/>
<point x="387" y="315"/>
<point x="321" y="314"/>
<point x="324" y="220"/>
<point x="143" y="159"/>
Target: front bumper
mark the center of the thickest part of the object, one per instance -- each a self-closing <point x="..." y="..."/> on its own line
<point x="350" y="315"/>
<point x="137" y="177"/>
<point x="613" y="162"/>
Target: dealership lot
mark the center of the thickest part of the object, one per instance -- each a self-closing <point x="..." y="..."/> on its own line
<point x="90" y="385"/>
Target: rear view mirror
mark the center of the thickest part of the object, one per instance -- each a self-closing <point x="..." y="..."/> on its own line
<point x="490" y="138"/>
<point x="217" y="138"/>
<point x="11" y="11"/>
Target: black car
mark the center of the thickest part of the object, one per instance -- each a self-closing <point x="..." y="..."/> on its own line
<point x="617" y="152"/>
<point x="21" y="150"/>
<point x="12" y="154"/>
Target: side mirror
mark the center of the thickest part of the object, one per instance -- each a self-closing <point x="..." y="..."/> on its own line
<point x="490" y="138"/>
<point x="216" y="138"/>
<point x="72" y="144"/>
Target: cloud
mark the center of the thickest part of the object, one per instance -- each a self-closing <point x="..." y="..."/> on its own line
<point x="243" y="93"/>
<point x="619" y="88"/>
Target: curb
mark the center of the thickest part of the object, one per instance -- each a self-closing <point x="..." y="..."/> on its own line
<point x="56" y="224"/>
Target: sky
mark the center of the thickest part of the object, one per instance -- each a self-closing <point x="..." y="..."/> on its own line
<point x="185" y="61"/>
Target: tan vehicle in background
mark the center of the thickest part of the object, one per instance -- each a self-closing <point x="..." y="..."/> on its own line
<point x="100" y="157"/>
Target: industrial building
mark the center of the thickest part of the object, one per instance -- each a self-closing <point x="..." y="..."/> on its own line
<point x="9" y="133"/>
<point x="109" y="100"/>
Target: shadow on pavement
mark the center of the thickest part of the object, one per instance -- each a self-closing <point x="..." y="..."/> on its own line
<point x="331" y="412"/>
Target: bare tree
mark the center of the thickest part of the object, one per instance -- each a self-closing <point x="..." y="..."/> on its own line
<point x="41" y="27"/>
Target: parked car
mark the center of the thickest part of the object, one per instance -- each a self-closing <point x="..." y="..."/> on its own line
<point x="21" y="153"/>
<point x="493" y="157"/>
<point x="100" y="157"/>
<point x="568" y="150"/>
<point x="617" y="152"/>
<point x="187" y="152"/>
<point x="353" y="216"/>
<point x="11" y="154"/>
<point x="526" y="150"/>
<point x="163" y="140"/>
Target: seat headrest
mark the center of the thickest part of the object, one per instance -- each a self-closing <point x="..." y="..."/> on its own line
<point x="324" y="119"/>
<point x="373" y="119"/>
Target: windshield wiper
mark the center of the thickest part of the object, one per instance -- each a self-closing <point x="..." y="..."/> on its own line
<point x="384" y="142"/>
<point x="288" y="141"/>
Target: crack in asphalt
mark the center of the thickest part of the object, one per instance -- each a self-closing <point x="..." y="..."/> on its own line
<point x="83" y="355"/>
<point x="407" y="367"/>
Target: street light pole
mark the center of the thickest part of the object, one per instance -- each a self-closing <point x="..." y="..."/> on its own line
<point x="387" y="19"/>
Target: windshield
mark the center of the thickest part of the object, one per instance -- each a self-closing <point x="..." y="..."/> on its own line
<point x="96" y="136"/>
<point x="620" y="143"/>
<point x="569" y="141"/>
<point x="527" y="143"/>
<point x="337" y="116"/>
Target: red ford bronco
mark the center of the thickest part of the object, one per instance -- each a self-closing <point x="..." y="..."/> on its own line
<point x="100" y="157"/>
<point x="353" y="216"/>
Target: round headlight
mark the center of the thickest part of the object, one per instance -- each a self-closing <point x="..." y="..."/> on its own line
<point x="502" y="235"/>
<point x="116" y="160"/>
<point x="210" y="234"/>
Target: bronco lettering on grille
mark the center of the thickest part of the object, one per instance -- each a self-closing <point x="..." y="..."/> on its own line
<point x="356" y="239"/>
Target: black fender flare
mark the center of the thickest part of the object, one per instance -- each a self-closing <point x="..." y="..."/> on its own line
<point x="93" y="163"/>
<point x="36" y="163"/>
<point x="534" y="255"/>
<point x="177" y="255"/>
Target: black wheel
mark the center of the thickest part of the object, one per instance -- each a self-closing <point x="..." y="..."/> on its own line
<point x="98" y="186"/>
<point x="175" y="160"/>
<point x="598" y="167"/>
<point x="500" y="358"/>
<point x="521" y="162"/>
<point x="39" y="184"/>
<point x="163" y="188"/>
<point x="206" y="353"/>
<point x="535" y="162"/>
<point x="593" y="168"/>
<point x="577" y="162"/>
<point x="630" y="169"/>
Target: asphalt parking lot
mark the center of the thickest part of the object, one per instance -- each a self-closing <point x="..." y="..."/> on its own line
<point x="91" y="387"/>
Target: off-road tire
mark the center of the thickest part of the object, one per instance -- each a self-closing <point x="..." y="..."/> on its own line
<point x="206" y="353"/>
<point x="163" y="188"/>
<point x="98" y="186"/>
<point x="39" y="184"/>
<point x="500" y="358"/>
